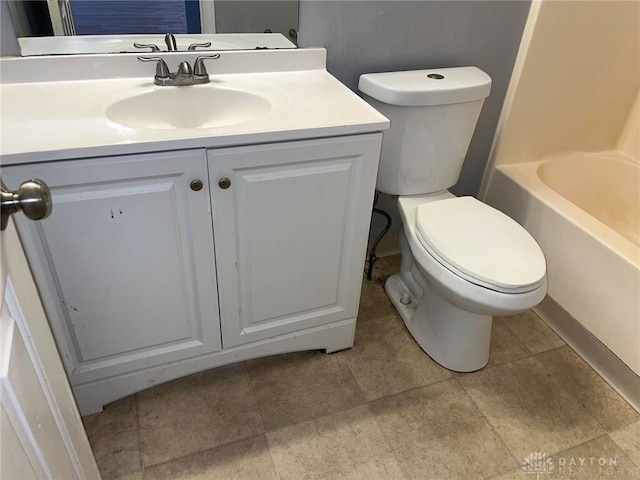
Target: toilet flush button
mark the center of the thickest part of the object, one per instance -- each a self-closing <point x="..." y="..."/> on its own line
<point x="436" y="76"/>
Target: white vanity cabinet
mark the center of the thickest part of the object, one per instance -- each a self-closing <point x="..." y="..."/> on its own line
<point x="158" y="265"/>
<point x="232" y="227"/>
<point x="291" y="222"/>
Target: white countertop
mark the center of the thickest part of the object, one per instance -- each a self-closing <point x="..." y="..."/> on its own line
<point x="45" y="120"/>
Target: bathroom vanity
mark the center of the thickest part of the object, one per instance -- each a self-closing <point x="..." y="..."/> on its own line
<point x="184" y="243"/>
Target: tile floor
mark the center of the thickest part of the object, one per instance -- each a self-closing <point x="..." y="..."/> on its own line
<point x="381" y="410"/>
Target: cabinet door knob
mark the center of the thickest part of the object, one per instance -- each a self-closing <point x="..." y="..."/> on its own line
<point x="224" y="183"/>
<point x="33" y="198"/>
<point x="196" y="185"/>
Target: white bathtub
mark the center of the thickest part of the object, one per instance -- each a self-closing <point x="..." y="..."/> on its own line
<point x="583" y="209"/>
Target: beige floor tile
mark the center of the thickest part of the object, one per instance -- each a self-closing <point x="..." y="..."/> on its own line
<point x="595" y="395"/>
<point x="386" y="360"/>
<point x="115" y="439"/>
<point x="346" y="445"/>
<point x="301" y="386"/>
<point x="533" y="397"/>
<point x="519" y="474"/>
<point x="129" y="476"/>
<point x="628" y="439"/>
<point x="196" y="413"/>
<point x="384" y="267"/>
<point x="374" y="302"/>
<point x="505" y="345"/>
<point x="246" y="459"/>
<point x="533" y="332"/>
<point x="437" y="432"/>
<point x="530" y="409"/>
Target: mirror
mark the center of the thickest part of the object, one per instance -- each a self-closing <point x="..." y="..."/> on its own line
<point x="111" y="26"/>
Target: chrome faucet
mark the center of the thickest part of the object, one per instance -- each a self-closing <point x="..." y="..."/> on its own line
<point x="184" y="76"/>
<point x="170" y="41"/>
<point x="172" y="46"/>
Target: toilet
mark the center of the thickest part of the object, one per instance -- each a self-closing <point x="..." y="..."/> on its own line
<point x="462" y="261"/>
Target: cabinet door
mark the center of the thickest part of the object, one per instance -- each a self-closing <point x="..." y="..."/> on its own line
<point x="291" y="232"/>
<point x="125" y="262"/>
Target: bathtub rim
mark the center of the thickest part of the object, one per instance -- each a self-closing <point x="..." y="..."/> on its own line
<point x="526" y="175"/>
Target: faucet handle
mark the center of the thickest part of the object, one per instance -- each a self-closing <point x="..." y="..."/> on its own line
<point x="162" y="70"/>
<point x="199" y="70"/>
<point x="152" y="46"/>
<point x="193" y="46"/>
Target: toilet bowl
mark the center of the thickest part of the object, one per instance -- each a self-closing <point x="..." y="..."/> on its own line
<point x="462" y="260"/>
<point x="448" y="311"/>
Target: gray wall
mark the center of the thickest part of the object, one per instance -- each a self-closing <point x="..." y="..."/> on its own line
<point x="233" y="16"/>
<point x="8" y="40"/>
<point x="376" y="36"/>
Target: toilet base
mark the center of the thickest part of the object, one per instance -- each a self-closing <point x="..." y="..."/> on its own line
<point x="456" y="339"/>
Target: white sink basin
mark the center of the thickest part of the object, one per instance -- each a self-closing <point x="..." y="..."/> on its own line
<point x="198" y="106"/>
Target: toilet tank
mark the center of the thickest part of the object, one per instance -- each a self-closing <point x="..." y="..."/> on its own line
<point x="433" y="114"/>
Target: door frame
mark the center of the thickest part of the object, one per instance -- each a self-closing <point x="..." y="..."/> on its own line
<point x="207" y="16"/>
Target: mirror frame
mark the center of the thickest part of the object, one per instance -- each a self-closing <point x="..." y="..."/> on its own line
<point x="70" y="43"/>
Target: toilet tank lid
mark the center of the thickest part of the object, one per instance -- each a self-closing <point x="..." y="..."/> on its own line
<point x="438" y="86"/>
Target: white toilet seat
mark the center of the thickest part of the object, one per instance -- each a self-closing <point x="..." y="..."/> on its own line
<point x="460" y="291"/>
<point x="480" y="244"/>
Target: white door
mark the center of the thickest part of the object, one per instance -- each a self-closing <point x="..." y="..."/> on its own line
<point x="41" y="433"/>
